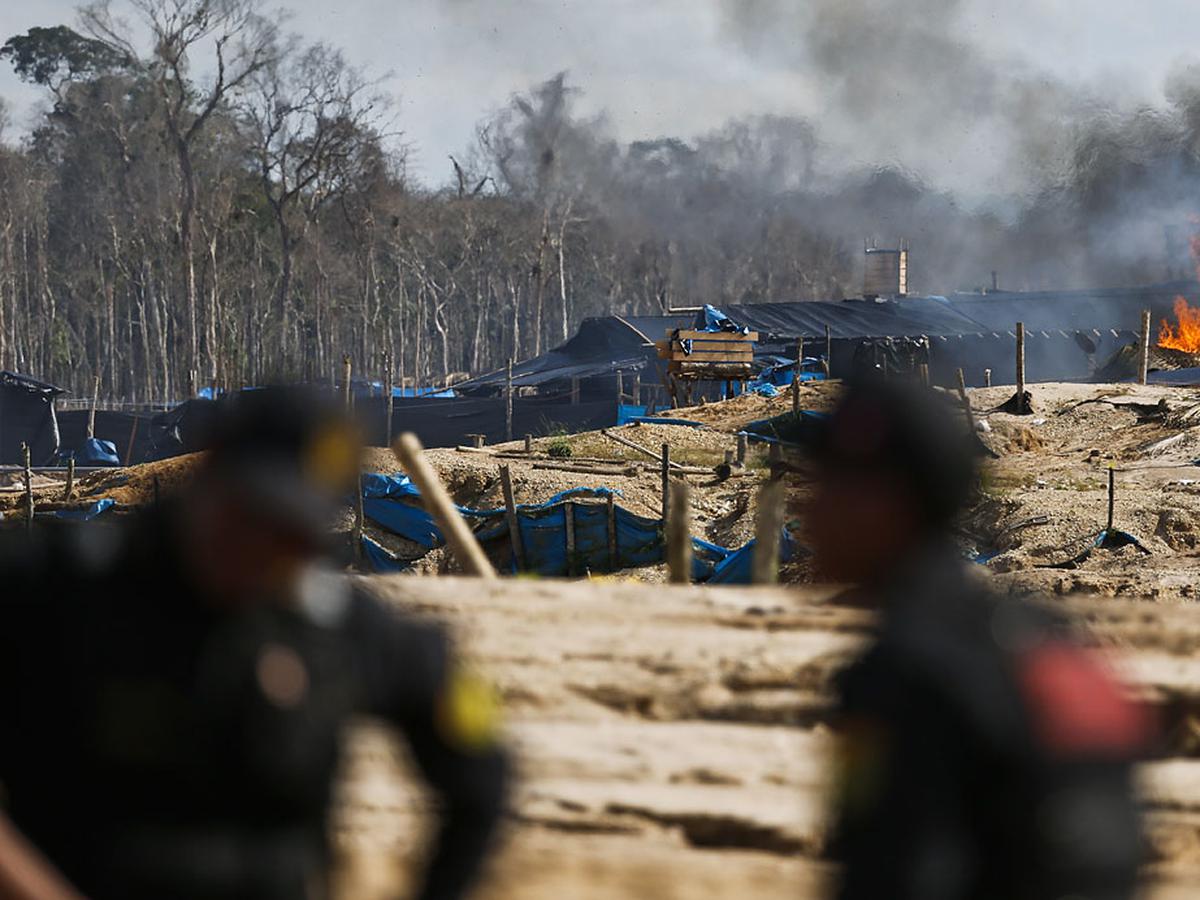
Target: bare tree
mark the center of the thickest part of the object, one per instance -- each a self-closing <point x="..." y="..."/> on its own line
<point x="310" y="113"/>
<point x="242" y="42"/>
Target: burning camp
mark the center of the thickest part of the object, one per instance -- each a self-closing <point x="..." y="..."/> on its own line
<point x="755" y="452"/>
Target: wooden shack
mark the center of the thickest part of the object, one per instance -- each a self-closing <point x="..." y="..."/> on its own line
<point x="693" y="356"/>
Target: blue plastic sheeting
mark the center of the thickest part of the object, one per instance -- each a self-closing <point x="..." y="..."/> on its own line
<point x="782" y="372"/>
<point x="401" y="392"/>
<point x="380" y="558"/>
<point x="96" y="452"/>
<point x="666" y="420"/>
<point x="627" y="412"/>
<point x="715" y="320"/>
<point x="85" y="515"/>
<point x="380" y="496"/>
<point x="387" y="501"/>
<point x="736" y="567"/>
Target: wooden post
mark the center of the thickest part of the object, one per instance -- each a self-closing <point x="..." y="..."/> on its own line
<point x="678" y="534"/>
<point x="1144" y="347"/>
<point x="508" y="401"/>
<point x="614" y="555"/>
<point x="132" y="437"/>
<point x="514" y="524"/>
<point x="70" y="479"/>
<point x="768" y="524"/>
<point x="620" y="389"/>
<point x="91" y="426"/>
<point x="637" y="388"/>
<point x="529" y="445"/>
<point x="29" y="484"/>
<point x="347" y="395"/>
<point x="461" y="540"/>
<point x="987" y="378"/>
<point x="574" y="391"/>
<point x="828" y="351"/>
<point x="569" y="521"/>
<point x="666" y="478"/>
<point x="359" y="519"/>
<point x="388" y="399"/>
<point x="924" y="372"/>
<point x="1020" y="368"/>
<point x="743" y="444"/>
<point x="1111" y="499"/>
<point x="796" y="377"/>
<point x="966" y="404"/>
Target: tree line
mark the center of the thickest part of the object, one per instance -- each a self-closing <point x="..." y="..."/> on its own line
<point x="223" y="203"/>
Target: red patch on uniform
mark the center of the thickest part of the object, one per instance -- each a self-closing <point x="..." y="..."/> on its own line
<point x="1077" y="706"/>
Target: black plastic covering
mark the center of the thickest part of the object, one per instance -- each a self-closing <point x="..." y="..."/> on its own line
<point x="27" y="416"/>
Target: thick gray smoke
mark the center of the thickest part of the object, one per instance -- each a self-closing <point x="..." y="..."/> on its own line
<point x="1004" y="166"/>
<point x="980" y="159"/>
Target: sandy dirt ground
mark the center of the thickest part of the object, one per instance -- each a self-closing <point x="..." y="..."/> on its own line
<point x="672" y="743"/>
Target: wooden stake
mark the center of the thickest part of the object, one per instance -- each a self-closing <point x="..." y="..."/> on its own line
<point x="987" y="377"/>
<point x="614" y="554"/>
<point x="28" y="485"/>
<point x="637" y="388"/>
<point x="768" y="524"/>
<point x="569" y="521"/>
<point x="132" y="437"/>
<point x="796" y="377"/>
<point x="574" y="391"/>
<point x="1020" y="368"/>
<point x="514" y="524"/>
<point x="1111" y="499"/>
<point x="347" y="395"/>
<point x="508" y="401"/>
<point x="966" y="404"/>
<point x="666" y="478"/>
<point x="91" y="426"/>
<point x="678" y="534"/>
<point x="828" y="351"/>
<point x="743" y="444"/>
<point x="620" y="389"/>
<point x="388" y="402"/>
<point x="529" y="445"/>
<point x="359" y="520"/>
<point x="1144" y="348"/>
<point x="437" y="502"/>
<point x="70" y="479"/>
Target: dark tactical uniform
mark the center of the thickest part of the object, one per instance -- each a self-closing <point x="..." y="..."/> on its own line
<point x="983" y="753"/>
<point x="152" y="747"/>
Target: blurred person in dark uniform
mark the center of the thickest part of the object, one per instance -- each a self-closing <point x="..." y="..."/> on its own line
<point x="983" y="752"/>
<point x="173" y="687"/>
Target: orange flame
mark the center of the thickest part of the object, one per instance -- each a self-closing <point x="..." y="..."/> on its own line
<point x="1186" y="336"/>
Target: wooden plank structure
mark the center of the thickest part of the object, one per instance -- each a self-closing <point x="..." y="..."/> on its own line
<point x="693" y="355"/>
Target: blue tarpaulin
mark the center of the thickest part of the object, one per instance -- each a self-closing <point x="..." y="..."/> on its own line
<point x="96" y="452"/>
<point x="391" y="502"/>
<point x="627" y="412"/>
<point x="715" y="320"/>
<point x="86" y="514"/>
<point x="381" y="559"/>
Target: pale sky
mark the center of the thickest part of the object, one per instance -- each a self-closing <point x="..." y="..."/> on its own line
<point x="669" y="67"/>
